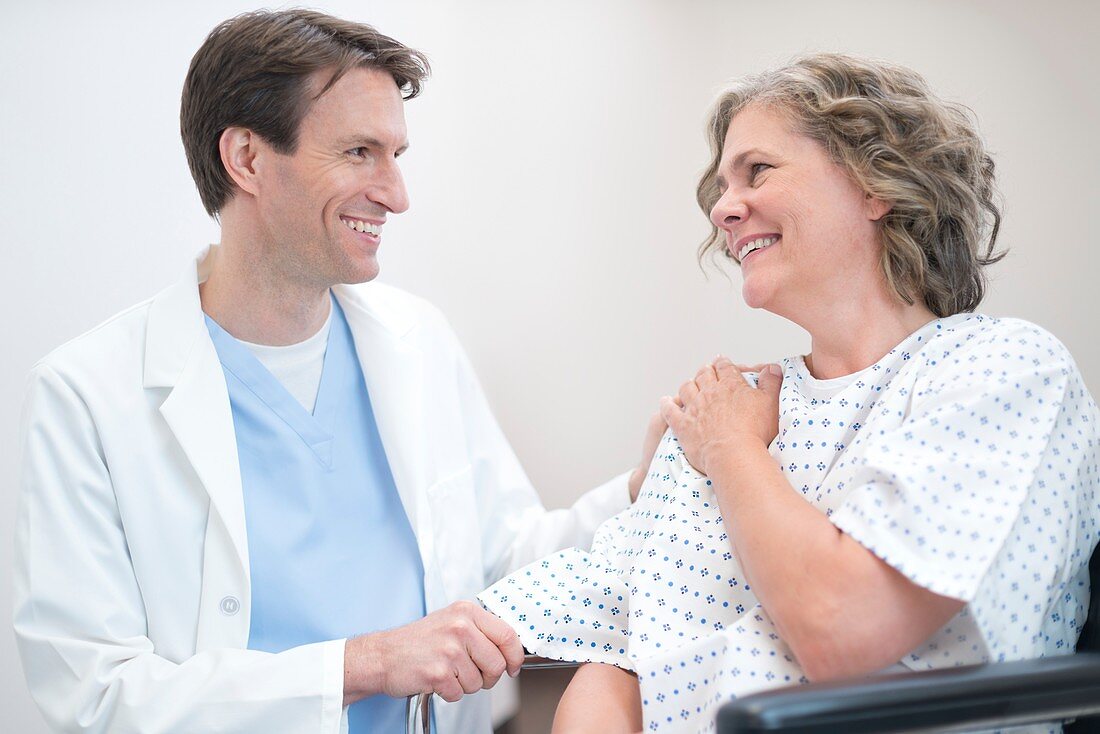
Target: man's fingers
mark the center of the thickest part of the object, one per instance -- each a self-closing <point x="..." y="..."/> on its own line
<point x="503" y="637"/>
<point x="469" y="677"/>
<point x="688" y="391"/>
<point x="488" y="659"/>
<point x="672" y="413"/>
<point x="448" y="688"/>
<point x="706" y="375"/>
<point x="727" y="370"/>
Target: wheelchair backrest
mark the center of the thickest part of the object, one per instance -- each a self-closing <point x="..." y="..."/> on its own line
<point x="1090" y="633"/>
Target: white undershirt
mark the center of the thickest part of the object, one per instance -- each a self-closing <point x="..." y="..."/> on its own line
<point x="297" y="366"/>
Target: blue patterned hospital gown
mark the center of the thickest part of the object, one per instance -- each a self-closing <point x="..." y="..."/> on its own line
<point x="966" y="458"/>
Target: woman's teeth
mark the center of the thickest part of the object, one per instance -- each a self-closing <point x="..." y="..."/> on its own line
<point x="757" y="244"/>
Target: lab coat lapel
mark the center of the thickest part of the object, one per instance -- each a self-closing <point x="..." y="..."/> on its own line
<point x="393" y="370"/>
<point x="180" y="356"/>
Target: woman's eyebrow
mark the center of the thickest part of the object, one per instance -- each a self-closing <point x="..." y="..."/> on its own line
<point x="738" y="160"/>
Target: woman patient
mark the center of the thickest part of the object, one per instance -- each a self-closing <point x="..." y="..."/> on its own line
<point x="919" y="491"/>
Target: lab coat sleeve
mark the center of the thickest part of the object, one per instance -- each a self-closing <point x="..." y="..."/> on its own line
<point x="79" y="617"/>
<point x="516" y="528"/>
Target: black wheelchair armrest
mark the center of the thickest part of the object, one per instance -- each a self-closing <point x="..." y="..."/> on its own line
<point x="970" y="697"/>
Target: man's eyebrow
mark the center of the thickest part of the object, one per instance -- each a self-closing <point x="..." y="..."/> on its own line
<point x="368" y="142"/>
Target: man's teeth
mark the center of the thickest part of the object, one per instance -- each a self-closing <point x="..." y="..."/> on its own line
<point x="755" y="245"/>
<point x="360" y="226"/>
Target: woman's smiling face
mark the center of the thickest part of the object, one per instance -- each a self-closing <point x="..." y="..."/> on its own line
<point x="804" y="232"/>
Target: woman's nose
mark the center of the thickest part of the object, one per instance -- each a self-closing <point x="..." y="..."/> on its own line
<point x="729" y="209"/>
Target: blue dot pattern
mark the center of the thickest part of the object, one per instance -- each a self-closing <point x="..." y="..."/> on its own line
<point x="966" y="458"/>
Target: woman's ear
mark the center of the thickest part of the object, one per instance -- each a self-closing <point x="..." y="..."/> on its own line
<point x="876" y="208"/>
<point x="238" y="147"/>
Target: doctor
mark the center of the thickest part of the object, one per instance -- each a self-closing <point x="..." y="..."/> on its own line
<point x="224" y="487"/>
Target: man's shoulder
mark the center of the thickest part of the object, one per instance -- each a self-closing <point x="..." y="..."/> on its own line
<point x="104" y="340"/>
<point x="396" y="308"/>
<point x="104" y="349"/>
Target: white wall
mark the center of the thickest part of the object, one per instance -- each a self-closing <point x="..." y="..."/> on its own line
<point x="552" y="172"/>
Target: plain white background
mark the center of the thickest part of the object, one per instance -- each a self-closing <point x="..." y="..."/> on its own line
<point x="552" y="169"/>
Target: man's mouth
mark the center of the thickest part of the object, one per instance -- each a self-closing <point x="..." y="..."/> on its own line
<point x="360" y="225"/>
<point x="758" y="244"/>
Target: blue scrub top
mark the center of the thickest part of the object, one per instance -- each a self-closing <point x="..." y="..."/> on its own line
<point x="331" y="551"/>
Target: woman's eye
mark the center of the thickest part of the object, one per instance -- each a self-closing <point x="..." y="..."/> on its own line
<point x="756" y="169"/>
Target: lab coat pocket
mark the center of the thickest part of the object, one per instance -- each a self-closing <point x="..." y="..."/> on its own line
<point x="457" y="532"/>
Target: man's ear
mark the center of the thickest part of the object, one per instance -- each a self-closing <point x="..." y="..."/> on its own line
<point x="876" y="208"/>
<point x="239" y="147"/>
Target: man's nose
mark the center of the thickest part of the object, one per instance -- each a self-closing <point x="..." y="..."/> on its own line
<point x="388" y="189"/>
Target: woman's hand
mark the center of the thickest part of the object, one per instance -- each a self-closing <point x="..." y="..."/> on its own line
<point x="718" y="413"/>
<point x="653" y="433"/>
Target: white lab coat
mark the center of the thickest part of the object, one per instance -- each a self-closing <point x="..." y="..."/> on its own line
<point x="132" y="573"/>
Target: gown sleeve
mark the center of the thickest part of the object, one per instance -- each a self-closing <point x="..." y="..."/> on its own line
<point x="987" y="490"/>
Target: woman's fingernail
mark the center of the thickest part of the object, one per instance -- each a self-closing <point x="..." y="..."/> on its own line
<point x="774" y="369"/>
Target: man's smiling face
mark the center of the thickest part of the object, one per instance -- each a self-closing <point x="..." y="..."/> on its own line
<point x="322" y="207"/>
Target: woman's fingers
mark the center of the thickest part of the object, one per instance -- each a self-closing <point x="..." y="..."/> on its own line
<point x="725" y="362"/>
<point x="721" y="369"/>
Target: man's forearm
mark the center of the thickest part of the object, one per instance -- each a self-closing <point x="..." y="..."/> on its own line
<point x="362" y="672"/>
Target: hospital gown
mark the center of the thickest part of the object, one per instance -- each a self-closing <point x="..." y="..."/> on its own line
<point x="966" y="458"/>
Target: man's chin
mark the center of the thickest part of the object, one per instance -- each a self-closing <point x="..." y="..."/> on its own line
<point x="360" y="273"/>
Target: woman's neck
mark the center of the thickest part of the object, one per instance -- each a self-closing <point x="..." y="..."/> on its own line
<point x="855" y="336"/>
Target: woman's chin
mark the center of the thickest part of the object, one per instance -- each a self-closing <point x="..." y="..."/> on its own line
<point x="754" y="295"/>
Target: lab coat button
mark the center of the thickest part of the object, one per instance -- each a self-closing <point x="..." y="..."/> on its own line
<point x="230" y="605"/>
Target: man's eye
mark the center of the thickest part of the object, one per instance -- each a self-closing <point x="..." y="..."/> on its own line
<point x="360" y="152"/>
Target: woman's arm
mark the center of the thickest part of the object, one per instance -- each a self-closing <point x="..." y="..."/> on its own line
<point x="841" y="609"/>
<point x="601" y="699"/>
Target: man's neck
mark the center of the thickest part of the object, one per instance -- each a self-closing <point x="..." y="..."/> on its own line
<point x="256" y="304"/>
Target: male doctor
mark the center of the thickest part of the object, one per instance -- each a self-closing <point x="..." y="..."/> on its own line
<point x="253" y="502"/>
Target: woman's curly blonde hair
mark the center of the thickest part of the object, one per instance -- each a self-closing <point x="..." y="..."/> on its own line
<point x="901" y="144"/>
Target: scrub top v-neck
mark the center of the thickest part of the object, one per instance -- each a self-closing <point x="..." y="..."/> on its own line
<point x="331" y="551"/>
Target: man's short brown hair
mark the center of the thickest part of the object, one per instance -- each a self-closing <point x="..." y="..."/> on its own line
<point x="254" y="71"/>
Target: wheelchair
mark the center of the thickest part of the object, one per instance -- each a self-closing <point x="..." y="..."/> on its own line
<point x="966" y="698"/>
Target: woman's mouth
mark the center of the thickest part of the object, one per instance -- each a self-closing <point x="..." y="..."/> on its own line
<point x="758" y="244"/>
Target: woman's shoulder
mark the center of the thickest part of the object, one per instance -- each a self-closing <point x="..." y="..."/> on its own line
<point x="970" y="337"/>
<point x="974" y="357"/>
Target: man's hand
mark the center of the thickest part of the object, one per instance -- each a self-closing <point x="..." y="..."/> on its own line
<point x="653" y="432"/>
<point x="457" y="650"/>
